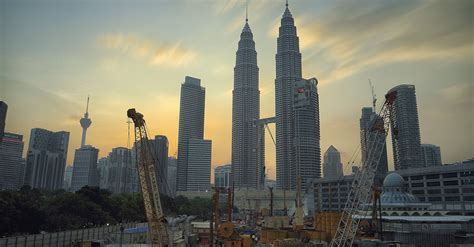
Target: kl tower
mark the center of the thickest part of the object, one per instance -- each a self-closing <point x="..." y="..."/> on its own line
<point x="85" y="123"/>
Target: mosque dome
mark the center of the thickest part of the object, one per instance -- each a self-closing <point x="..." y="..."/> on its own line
<point x="394" y="191"/>
<point x="393" y="180"/>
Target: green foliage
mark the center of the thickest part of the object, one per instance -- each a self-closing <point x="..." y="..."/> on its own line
<point x="31" y="210"/>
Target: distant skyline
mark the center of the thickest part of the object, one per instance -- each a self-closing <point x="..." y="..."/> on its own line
<point x="136" y="54"/>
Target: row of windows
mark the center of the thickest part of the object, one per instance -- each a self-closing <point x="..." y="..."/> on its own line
<point x="434" y="184"/>
<point x="445" y="175"/>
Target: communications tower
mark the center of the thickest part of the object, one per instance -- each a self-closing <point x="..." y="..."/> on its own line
<point x="85" y="123"/>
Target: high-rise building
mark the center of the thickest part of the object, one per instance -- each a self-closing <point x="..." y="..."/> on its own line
<point x="103" y="167"/>
<point x="172" y="167"/>
<point x="306" y="141"/>
<point x="367" y="120"/>
<point x="46" y="159"/>
<point x="222" y="176"/>
<point x="246" y="163"/>
<point x="430" y="155"/>
<point x="160" y="148"/>
<point x="191" y="125"/>
<point x="68" y="178"/>
<point x="288" y="72"/>
<point x="199" y="165"/>
<point x="332" y="164"/>
<point x="11" y="150"/>
<point x="85" y="171"/>
<point x="3" y="118"/>
<point x="405" y="129"/>
<point x="120" y="170"/>
<point x="85" y="123"/>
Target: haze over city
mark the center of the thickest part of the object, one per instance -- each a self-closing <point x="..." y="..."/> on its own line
<point x="54" y="54"/>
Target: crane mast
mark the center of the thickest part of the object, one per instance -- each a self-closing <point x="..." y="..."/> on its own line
<point x="148" y="183"/>
<point x="359" y="195"/>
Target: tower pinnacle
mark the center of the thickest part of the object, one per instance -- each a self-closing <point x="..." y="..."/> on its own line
<point x="247" y="12"/>
<point x="85" y="123"/>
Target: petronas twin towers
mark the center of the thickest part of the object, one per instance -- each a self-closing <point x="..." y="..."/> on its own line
<point x="297" y="114"/>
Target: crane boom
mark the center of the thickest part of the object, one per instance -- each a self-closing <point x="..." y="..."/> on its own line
<point x="359" y="195"/>
<point x="148" y="183"/>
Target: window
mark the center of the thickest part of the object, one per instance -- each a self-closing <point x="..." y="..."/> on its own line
<point x="417" y="185"/>
<point x="451" y="191"/>
<point x="418" y="192"/>
<point x="432" y="176"/>
<point x="434" y="199"/>
<point x="419" y="177"/>
<point x="452" y="182"/>
<point x="431" y="192"/>
<point x="469" y="198"/>
<point x="450" y="175"/>
<point x="432" y="184"/>
<point x="452" y="198"/>
<point x="467" y="174"/>
<point x="467" y="190"/>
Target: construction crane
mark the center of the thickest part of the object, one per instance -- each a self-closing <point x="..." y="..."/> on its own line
<point x="374" y="97"/>
<point x="360" y="194"/>
<point x="149" y="186"/>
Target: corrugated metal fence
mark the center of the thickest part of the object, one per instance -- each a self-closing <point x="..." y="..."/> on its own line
<point x="65" y="238"/>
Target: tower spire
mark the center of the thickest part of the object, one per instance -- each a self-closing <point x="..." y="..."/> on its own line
<point x="85" y="123"/>
<point x="247" y="12"/>
<point x="287" y="3"/>
<point x="86" y="115"/>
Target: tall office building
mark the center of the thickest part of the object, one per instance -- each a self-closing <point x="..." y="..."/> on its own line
<point x="85" y="171"/>
<point x="191" y="125"/>
<point x="222" y="176"/>
<point x="160" y="148"/>
<point x="68" y="178"/>
<point x="119" y="170"/>
<point x="103" y="167"/>
<point x="367" y="120"/>
<point x="85" y="123"/>
<point x="172" y="167"/>
<point x="430" y="155"/>
<point x="3" y="118"/>
<point x="288" y="72"/>
<point x="306" y="141"/>
<point x="405" y="129"/>
<point x="46" y="159"/>
<point x="332" y="164"/>
<point x="11" y="150"/>
<point x="199" y="165"/>
<point x="246" y="163"/>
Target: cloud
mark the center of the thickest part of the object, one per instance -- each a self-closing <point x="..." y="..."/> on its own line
<point x="353" y="36"/>
<point x="155" y="52"/>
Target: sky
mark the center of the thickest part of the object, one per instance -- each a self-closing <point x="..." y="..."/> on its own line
<point x="135" y="54"/>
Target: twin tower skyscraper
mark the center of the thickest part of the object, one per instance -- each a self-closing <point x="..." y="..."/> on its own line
<point x="297" y="115"/>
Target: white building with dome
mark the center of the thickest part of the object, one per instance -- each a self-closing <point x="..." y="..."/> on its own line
<point x="395" y="200"/>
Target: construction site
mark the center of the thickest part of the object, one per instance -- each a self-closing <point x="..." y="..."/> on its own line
<point x="269" y="218"/>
